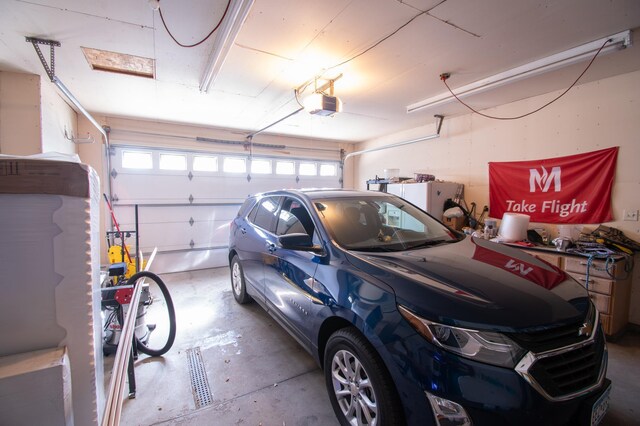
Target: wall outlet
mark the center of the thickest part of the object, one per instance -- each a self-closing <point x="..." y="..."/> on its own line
<point x="630" y="214"/>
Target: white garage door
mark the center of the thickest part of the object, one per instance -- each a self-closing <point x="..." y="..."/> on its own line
<point x="186" y="200"/>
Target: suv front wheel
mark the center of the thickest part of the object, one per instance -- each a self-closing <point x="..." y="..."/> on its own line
<point x="360" y="388"/>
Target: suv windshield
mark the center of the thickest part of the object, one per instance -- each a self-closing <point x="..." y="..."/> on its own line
<point x="380" y="224"/>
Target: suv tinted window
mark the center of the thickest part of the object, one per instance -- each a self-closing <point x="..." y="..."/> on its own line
<point x="380" y="224"/>
<point x="264" y="213"/>
<point x="294" y="219"/>
<point x="246" y="206"/>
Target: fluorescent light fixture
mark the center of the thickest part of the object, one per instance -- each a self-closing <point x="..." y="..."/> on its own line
<point x="227" y="33"/>
<point x="550" y="63"/>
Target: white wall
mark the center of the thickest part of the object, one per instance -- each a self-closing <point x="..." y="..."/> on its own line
<point x="20" y="114"/>
<point x="33" y="116"/>
<point x="57" y="117"/>
<point x="592" y="116"/>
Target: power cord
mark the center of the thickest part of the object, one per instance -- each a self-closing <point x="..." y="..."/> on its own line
<point x="445" y="76"/>
<point x="394" y="32"/>
<point x="201" y="41"/>
<point x="595" y="251"/>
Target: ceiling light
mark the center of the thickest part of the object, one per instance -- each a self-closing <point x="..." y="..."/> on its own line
<point x="550" y="63"/>
<point x="227" y="33"/>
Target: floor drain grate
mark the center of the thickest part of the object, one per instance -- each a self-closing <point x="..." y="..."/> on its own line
<point x="199" y="383"/>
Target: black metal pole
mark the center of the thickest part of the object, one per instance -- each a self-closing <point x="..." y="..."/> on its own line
<point x="131" y="368"/>
<point x="137" y="241"/>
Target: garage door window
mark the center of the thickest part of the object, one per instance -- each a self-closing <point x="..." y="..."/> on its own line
<point x="173" y="162"/>
<point x="234" y="165"/>
<point x="137" y="160"/>
<point x="285" y="167"/>
<point x="308" y="169"/>
<point x="261" y="166"/>
<point x="328" y="170"/>
<point x="202" y="163"/>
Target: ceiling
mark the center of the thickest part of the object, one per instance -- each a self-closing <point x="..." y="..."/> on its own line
<point x="285" y="43"/>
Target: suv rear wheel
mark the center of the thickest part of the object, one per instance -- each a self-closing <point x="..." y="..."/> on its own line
<point x="238" y="283"/>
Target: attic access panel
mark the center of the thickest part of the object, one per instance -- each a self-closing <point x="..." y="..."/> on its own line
<point x="119" y="63"/>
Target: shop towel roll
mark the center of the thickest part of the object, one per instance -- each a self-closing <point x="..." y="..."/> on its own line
<point x="513" y="227"/>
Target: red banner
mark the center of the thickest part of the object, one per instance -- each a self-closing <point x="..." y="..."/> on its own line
<point x="573" y="189"/>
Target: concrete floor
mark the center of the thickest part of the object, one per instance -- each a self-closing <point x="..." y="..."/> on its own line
<point x="259" y="375"/>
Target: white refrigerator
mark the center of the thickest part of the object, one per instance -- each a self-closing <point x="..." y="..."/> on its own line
<point x="429" y="196"/>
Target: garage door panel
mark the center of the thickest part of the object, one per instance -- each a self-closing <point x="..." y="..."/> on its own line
<point x="176" y="214"/>
<point x="212" y="233"/>
<point x="170" y="228"/>
<point x="190" y="260"/>
<point x="220" y="188"/>
<point x="151" y="189"/>
<point x="176" y="236"/>
<point x="322" y="182"/>
<point x="179" y="189"/>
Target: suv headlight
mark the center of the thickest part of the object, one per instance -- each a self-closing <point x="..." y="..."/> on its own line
<point x="483" y="346"/>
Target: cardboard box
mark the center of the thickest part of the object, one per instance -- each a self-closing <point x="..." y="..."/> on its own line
<point x="455" y="222"/>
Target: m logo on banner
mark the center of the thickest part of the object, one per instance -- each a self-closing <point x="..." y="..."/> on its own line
<point x="543" y="181"/>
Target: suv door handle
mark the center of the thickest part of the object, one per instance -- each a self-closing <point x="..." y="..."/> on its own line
<point x="271" y="247"/>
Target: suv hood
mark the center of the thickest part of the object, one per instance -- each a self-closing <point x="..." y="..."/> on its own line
<point x="478" y="284"/>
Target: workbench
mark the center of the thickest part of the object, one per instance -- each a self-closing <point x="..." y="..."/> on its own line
<point x="609" y="285"/>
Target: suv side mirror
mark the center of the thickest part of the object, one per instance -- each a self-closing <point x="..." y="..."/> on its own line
<point x="300" y="242"/>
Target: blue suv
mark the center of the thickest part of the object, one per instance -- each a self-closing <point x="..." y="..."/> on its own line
<point x="415" y="323"/>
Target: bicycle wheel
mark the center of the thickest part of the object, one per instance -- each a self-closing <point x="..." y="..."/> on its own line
<point x="156" y="318"/>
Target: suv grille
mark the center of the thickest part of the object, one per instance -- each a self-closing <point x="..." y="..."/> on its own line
<point x="543" y="341"/>
<point x="559" y="337"/>
<point x="572" y="371"/>
<point x="565" y="361"/>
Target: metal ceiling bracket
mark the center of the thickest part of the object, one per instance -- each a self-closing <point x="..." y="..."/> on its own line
<point x="50" y="69"/>
<point x="440" y="120"/>
<point x="319" y="89"/>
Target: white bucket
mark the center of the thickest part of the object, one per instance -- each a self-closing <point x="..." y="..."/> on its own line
<point x="391" y="173"/>
<point x="514" y="227"/>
